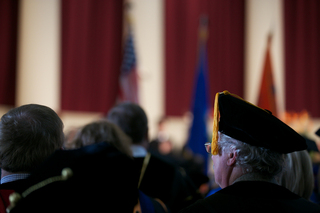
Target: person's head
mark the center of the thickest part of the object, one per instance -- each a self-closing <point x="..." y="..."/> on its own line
<point x="102" y="131"/>
<point x="132" y="119"/>
<point x="28" y="135"/>
<point x="297" y="175"/>
<point x="248" y="140"/>
<point x="236" y="158"/>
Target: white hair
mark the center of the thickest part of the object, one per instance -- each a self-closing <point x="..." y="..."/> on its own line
<point x="253" y="159"/>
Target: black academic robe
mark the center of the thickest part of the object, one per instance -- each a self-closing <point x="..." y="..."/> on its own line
<point x="102" y="181"/>
<point x="6" y="189"/>
<point x="15" y="185"/>
<point x="167" y="182"/>
<point x="253" y="196"/>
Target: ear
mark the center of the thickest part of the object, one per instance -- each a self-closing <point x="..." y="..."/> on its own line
<point x="232" y="156"/>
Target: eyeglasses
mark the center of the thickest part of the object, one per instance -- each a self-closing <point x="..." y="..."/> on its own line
<point x="208" y="147"/>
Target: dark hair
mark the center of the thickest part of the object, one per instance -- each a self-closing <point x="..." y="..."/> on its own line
<point x="28" y="135"/>
<point x="103" y="131"/>
<point x="132" y="119"/>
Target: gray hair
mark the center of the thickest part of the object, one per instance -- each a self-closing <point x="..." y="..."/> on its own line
<point x="253" y="159"/>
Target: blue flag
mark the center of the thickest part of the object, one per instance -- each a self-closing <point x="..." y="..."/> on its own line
<point x="198" y="132"/>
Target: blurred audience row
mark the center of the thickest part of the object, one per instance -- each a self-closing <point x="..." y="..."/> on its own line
<point x="111" y="164"/>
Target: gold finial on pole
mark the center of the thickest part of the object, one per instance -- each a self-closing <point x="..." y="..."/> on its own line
<point x="203" y="28"/>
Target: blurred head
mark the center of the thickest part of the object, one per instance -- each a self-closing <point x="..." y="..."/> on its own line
<point x="132" y="119"/>
<point x="298" y="174"/>
<point x="28" y="135"/>
<point x="102" y="131"/>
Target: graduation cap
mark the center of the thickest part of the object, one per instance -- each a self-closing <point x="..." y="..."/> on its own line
<point x="250" y="124"/>
<point x="318" y="132"/>
<point x="94" y="178"/>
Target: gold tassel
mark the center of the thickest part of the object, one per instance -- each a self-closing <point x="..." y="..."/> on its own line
<point x="215" y="137"/>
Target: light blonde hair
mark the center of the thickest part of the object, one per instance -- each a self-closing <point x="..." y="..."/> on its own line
<point x="298" y="174"/>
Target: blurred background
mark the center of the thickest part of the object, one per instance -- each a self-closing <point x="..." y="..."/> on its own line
<point x="71" y="56"/>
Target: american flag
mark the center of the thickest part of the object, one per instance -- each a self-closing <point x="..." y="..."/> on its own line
<point x="128" y="76"/>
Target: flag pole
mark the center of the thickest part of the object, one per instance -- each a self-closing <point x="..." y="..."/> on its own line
<point x="198" y="134"/>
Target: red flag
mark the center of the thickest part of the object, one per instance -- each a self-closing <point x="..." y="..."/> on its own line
<point x="267" y="95"/>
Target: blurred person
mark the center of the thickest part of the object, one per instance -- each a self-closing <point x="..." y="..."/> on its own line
<point x="107" y="132"/>
<point x="315" y="197"/>
<point x="102" y="131"/>
<point x="193" y="164"/>
<point x="297" y="175"/>
<point x="162" y="144"/>
<point x="68" y="138"/>
<point x="248" y="151"/>
<point x="29" y="134"/>
<point x="158" y="178"/>
<point x="93" y="178"/>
